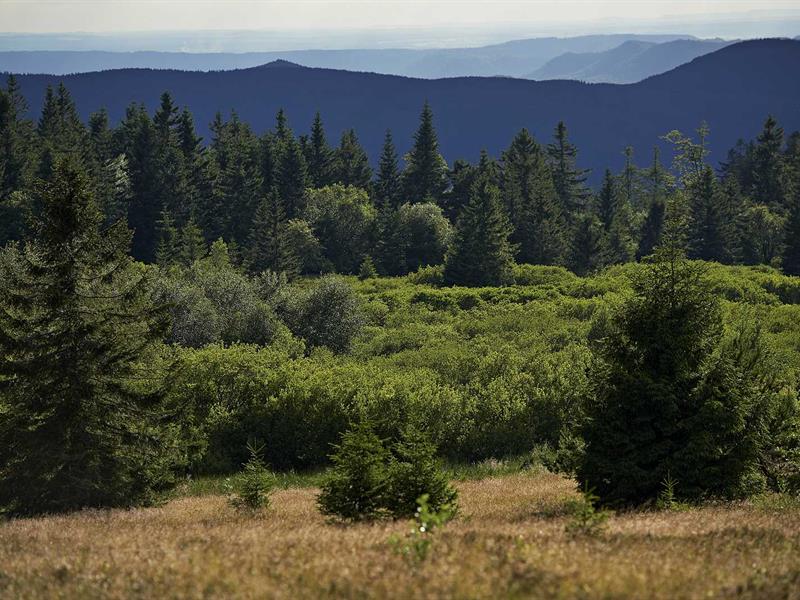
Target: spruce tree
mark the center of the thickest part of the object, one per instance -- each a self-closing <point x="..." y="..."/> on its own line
<point x="668" y="401"/>
<point x="768" y="173"/>
<point x="82" y="416"/>
<point x="351" y="165"/>
<point x="167" y="249"/>
<point x="425" y="175"/>
<point x="791" y="250"/>
<point x="650" y="235"/>
<point x="568" y="179"/>
<point x="711" y="233"/>
<point x="319" y="155"/>
<point x="292" y="179"/>
<point x="192" y="245"/>
<point x="530" y="200"/>
<point x="387" y="187"/>
<point x="481" y="253"/>
<point x="587" y="251"/>
<point x="269" y="248"/>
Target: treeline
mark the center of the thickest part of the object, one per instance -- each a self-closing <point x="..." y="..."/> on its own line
<point x="300" y="205"/>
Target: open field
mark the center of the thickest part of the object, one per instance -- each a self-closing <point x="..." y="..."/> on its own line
<point x="508" y="542"/>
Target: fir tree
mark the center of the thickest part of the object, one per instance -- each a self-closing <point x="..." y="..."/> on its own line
<point x="351" y="165"/>
<point x="653" y="224"/>
<point x="531" y="203"/>
<point x="481" y="253"/>
<point x="569" y="181"/>
<point x="81" y="422"/>
<point x="425" y="175"/>
<point x="387" y="187"/>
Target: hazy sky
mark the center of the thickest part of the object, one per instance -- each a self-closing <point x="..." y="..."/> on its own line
<point x="44" y="16"/>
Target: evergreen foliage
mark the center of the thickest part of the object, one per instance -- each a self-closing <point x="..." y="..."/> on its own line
<point x="697" y="409"/>
<point x="82" y="425"/>
<point x="481" y="253"/>
<point x="425" y="175"/>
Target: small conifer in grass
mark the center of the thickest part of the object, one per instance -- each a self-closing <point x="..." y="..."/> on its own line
<point x="253" y="489"/>
<point x="356" y="486"/>
<point x="367" y="269"/>
<point x="82" y="420"/>
<point x="414" y="471"/>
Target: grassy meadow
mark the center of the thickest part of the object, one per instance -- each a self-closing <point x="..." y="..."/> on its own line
<point x="509" y="541"/>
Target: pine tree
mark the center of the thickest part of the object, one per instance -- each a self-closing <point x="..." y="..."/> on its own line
<point x="387" y="187"/>
<point x="61" y="132"/>
<point x="319" y="155"/>
<point x="81" y="426"/>
<point x="425" y="175"/>
<point x="531" y="203"/>
<point x="569" y="181"/>
<point x="389" y="251"/>
<point x="607" y="200"/>
<point x="481" y="253"/>
<point x="351" y="165"/>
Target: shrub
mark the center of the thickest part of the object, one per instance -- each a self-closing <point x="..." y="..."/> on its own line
<point x="417" y="544"/>
<point x="329" y="314"/>
<point x="356" y="487"/>
<point x="414" y="471"/>
<point x="256" y="484"/>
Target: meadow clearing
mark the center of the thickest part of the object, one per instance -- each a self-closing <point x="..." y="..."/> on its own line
<point x="509" y="541"/>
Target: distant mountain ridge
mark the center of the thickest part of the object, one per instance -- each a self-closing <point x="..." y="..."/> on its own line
<point x="516" y="58"/>
<point x="733" y="89"/>
<point x="629" y="62"/>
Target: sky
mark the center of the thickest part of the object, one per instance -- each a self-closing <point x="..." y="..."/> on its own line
<point x="245" y="25"/>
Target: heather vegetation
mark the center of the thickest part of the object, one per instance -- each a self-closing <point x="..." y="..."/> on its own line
<point x="174" y="310"/>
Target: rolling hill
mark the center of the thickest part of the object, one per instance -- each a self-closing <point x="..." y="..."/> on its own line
<point x="732" y="89"/>
<point x="514" y="58"/>
<point x="629" y="62"/>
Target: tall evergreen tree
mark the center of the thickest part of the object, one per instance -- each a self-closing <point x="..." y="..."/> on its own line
<point x="351" y="165"/>
<point x="269" y="247"/>
<point x="292" y="179"/>
<point x="191" y="243"/>
<point x="80" y="427"/>
<point x="587" y="251"/>
<point x="768" y="173"/>
<point x="531" y="203"/>
<point x="711" y="227"/>
<point x="481" y="253"/>
<point x="568" y="179"/>
<point x="425" y="175"/>
<point x="791" y="251"/>
<point x="319" y="156"/>
<point x="387" y="187"/>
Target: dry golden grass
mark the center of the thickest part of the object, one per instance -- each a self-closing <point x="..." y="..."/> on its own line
<point x="506" y="543"/>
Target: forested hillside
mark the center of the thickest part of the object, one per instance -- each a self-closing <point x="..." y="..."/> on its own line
<point x="474" y="113"/>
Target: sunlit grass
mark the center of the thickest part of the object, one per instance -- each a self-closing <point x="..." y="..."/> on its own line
<point x="508" y="541"/>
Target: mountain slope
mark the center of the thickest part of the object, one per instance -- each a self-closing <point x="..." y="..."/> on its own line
<point x="732" y="89"/>
<point x="631" y="61"/>
<point x="515" y="58"/>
